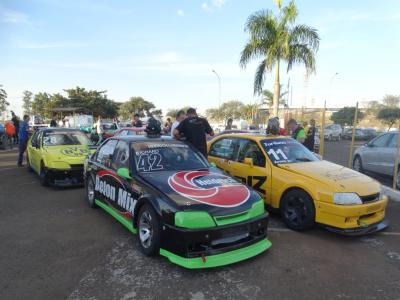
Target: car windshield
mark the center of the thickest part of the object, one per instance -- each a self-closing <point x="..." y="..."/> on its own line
<point x="284" y="151"/>
<point x="166" y="156"/>
<point x="59" y="138"/>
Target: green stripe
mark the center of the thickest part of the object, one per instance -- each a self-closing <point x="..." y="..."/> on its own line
<point x="127" y="223"/>
<point x="218" y="259"/>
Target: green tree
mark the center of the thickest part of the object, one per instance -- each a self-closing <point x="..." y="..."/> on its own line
<point x="389" y="116"/>
<point x="345" y="116"/>
<point x="373" y="107"/>
<point x="173" y="111"/>
<point x="250" y="112"/>
<point x="275" y="39"/>
<point x="268" y="97"/>
<point x="3" y="100"/>
<point x="135" y="105"/>
<point x="391" y="100"/>
<point x="40" y="104"/>
<point x="214" y="114"/>
<point x="230" y="109"/>
<point x="27" y="102"/>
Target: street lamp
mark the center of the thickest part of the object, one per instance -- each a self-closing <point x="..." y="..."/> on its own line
<point x="219" y="88"/>
<point x="330" y="84"/>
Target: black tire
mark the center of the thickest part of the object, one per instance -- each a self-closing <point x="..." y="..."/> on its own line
<point x="297" y="210"/>
<point x="148" y="223"/>
<point x="89" y="188"/>
<point x="357" y="164"/>
<point x="43" y="175"/>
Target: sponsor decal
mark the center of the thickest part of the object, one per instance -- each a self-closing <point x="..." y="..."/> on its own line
<point x="75" y="151"/>
<point x="118" y="195"/>
<point x="209" y="188"/>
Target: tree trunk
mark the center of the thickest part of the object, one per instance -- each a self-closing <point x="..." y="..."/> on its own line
<point x="277" y="91"/>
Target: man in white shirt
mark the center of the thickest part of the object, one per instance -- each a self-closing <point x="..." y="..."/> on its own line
<point x="180" y="116"/>
<point x="99" y="129"/>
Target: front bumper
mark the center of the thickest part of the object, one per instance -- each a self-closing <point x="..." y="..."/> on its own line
<point x="216" y="246"/>
<point x="363" y="230"/>
<point x="70" y="177"/>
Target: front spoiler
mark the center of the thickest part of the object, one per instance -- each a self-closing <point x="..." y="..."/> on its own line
<point x="362" y="230"/>
<point x="65" y="178"/>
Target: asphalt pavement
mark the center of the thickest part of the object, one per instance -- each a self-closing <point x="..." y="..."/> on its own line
<point x="53" y="246"/>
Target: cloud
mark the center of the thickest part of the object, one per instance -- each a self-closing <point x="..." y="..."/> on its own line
<point x="212" y="5"/>
<point x="218" y="3"/>
<point x="12" y="16"/>
<point x="166" y="58"/>
<point x="205" y="6"/>
<point x="180" y="12"/>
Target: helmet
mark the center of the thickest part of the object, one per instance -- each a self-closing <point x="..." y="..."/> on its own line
<point x="153" y="127"/>
<point x="273" y="126"/>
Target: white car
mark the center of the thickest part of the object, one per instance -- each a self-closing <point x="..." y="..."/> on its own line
<point x="333" y="132"/>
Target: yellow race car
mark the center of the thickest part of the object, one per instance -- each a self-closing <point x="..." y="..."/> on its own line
<point x="57" y="155"/>
<point x="303" y="188"/>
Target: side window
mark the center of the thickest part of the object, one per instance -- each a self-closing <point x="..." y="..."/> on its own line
<point x="35" y="138"/>
<point x="381" y="141"/>
<point x="223" y="148"/>
<point x="121" y="156"/>
<point x="393" y="141"/>
<point x="104" y="154"/>
<point x="250" y="149"/>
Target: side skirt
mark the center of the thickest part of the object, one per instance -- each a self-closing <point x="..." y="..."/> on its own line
<point x="128" y="224"/>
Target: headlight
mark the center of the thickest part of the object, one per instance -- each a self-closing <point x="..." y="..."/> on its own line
<point x="346" y="198"/>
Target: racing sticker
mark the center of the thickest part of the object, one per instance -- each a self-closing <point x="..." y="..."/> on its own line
<point x="117" y="194"/>
<point x="209" y="188"/>
<point x="75" y="151"/>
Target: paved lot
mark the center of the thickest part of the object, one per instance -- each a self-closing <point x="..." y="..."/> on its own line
<point x="54" y="247"/>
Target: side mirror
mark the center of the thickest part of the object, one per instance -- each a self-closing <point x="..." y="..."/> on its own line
<point x="124" y="173"/>
<point x="249" y="161"/>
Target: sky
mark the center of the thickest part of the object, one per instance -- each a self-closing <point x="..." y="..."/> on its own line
<point x="165" y="51"/>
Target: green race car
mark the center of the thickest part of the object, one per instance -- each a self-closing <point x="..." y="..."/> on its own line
<point x="57" y="155"/>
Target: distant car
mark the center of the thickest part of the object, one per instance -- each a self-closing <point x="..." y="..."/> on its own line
<point x="180" y="206"/>
<point x="358" y="134"/>
<point x="333" y="132"/>
<point x="57" y="155"/>
<point x="129" y="131"/>
<point x="109" y="128"/>
<point x="369" y="133"/>
<point x="378" y="156"/>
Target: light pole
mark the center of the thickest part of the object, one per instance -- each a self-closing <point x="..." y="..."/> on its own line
<point x="330" y="85"/>
<point x="219" y="88"/>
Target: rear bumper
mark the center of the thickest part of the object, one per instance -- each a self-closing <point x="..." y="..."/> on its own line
<point x="363" y="230"/>
<point x="216" y="246"/>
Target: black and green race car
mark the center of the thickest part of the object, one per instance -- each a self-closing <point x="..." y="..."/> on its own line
<point x="179" y="205"/>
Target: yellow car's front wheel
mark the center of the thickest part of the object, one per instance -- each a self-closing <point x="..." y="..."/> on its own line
<point x="297" y="210"/>
<point x="44" y="180"/>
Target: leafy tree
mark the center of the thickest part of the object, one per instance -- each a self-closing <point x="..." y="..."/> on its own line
<point x="391" y="100"/>
<point x="345" y="116"/>
<point x="173" y="111"/>
<point x="268" y="97"/>
<point x="27" y="102"/>
<point x="40" y="104"/>
<point x="135" y="105"/>
<point x="3" y="100"/>
<point x="157" y="113"/>
<point x="373" y="107"/>
<point x="214" y="114"/>
<point x="275" y="39"/>
<point x="249" y="112"/>
<point x="389" y="116"/>
<point x="231" y="109"/>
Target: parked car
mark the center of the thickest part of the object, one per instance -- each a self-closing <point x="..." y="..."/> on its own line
<point x="129" y="131"/>
<point x="378" y="156"/>
<point x="358" y="134"/>
<point x="369" y="133"/>
<point x="109" y="128"/>
<point x="333" y="132"/>
<point x="302" y="187"/>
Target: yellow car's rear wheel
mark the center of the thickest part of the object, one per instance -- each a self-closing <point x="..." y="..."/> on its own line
<point x="297" y="210"/>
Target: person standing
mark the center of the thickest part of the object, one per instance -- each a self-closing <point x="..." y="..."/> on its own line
<point x="15" y="120"/>
<point x="310" y="136"/>
<point x="99" y="129"/>
<point x="229" y="124"/>
<point x="180" y="116"/>
<point x="53" y="122"/>
<point x="10" y="132"/>
<point x="297" y="131"/>
<point x="136" y="121"/>
<point x="194" y="129"/>
<point x="23" y="136"/>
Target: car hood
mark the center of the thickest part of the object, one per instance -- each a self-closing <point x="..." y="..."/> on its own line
<point x="205" y="190"/>
<point x="339" y="178"/>
<point x="68" y="152"/>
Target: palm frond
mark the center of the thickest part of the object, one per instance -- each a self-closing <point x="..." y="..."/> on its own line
<point x="289" y="14"/>
<point x="303" y="34"/>
<point x="252" y="50"/>
<point x="259" y="78"/>
<point x="301" y="54"/>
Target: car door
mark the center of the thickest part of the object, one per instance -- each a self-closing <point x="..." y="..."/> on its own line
<point x="390" y="154"/>
<point x="257" y="174"/>
<point x="372" y="155"/>
<point x="35" y="155"/>
<point x="222" y="151"/>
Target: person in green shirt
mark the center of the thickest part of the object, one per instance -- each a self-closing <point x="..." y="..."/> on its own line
<point x="298" y="132"/>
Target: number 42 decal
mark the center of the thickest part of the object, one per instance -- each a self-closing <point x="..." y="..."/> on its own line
<point x="255" y="182"/>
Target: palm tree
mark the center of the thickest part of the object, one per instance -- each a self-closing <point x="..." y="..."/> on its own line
<point x="277" y="39"/>
<point x="268" y="97"/>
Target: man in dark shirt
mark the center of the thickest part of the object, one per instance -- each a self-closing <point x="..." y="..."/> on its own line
<point x="310" y="136"/>
<point x="15" y="120"/>
<point x="136" y="121"/>
<point x="194" y="129"/>
<point x="23" y="136"/>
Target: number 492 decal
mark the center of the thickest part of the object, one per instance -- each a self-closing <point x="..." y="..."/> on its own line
<point x="255" y="182"/>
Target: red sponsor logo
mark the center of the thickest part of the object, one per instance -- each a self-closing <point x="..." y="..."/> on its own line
<point x="209" y="188"/>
